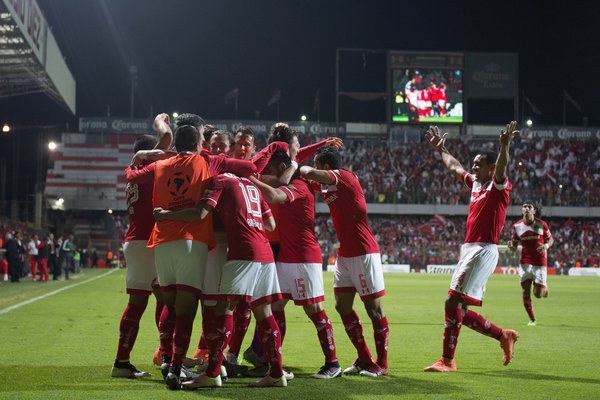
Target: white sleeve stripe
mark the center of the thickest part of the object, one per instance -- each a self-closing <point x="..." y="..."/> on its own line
<point x="209" y="200"/>
<point x="501" y="186"/>
<point x="290" y="195"/>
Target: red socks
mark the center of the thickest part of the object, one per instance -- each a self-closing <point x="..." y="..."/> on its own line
<point x="478" y="323"/>
<point x="353" y="328"/>
<point x="166" y="327"/>
<point x="181" y="338"/>
<point x="325" y="334"/>
<point x="217" y="338"/>
<point x="280" y="319"/>
<point x="130" y="324"/>
<point x="453" y="322"/>
<point x="241" y="321"/>
<point x="381" y="332"/>
<point x="270" y="337"/>
<point x="526" y="285"/>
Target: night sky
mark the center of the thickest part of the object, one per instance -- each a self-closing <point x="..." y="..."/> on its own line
<point x="191" y="52"/>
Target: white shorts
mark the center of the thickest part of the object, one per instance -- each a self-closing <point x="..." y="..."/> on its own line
<point x="253" y="282"/>
<point x="477" y="262"/>
<point x="533" y="272"/>
<point x="214" y="264"/>
<point x="140" y="276"/>
<point x="302" y="282"/>
<point x="180" y="265"/>
<point x="361" y="274"/>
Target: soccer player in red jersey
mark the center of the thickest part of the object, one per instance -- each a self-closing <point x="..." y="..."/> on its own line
<point x="534" y="235"/>
<point x="140" y="277"/>
<point x="181" y="248"/>
<point x="358" y="267"/>
<point x="299" y="263"/>
<point x="248" y="275"/>
<point x="479" y="254"/>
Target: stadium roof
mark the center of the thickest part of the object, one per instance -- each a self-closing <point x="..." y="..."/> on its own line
<point x="30" y="60"/>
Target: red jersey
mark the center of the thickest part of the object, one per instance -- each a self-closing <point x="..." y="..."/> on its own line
<point x="531" y="237"/>
<point x="139" y="206"/>
<point x="487" y="210"/>
<point x="241" y="208"/>
<point x="297" y="225"/>
<point x="348" y="210"/>
<point x="215" y="165"/>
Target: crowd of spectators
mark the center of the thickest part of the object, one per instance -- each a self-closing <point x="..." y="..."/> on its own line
<point x="422" y="240"/>
<point x="555" y="173"/>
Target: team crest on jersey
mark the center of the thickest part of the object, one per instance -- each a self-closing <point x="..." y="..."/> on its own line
<point x="178" y="184"/>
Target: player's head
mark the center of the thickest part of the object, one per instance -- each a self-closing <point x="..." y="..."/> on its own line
<point x="190" y="119"/>
<point x="281" y="132"/>
<point x="220" y="142"/>
<point x="50" y="235"/>
<point x="207" y="132"/>
<point x="484" y="164"/>
<point x="531" y="210"/>
<point x="187" y="138"/>
<point x="245" y="143"/>
<point x="278" y="163"/>
<point x="328" y="158"/>
<point x="144" y="142"/>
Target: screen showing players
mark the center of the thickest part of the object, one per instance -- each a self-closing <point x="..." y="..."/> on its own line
<point x="427" y="95"/>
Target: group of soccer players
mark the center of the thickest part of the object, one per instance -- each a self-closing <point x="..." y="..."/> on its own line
<point x="212" y="222"/>
<point x="202" y="219"/>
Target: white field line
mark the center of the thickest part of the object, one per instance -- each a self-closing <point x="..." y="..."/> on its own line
<point x="18" y="305"/>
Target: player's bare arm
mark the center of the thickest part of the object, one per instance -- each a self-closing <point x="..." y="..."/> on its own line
<point x="543" y="247"/>
<point x="187" y="214"/>
<point x="269" y="223"/>
<point x="437" y="140"/>
<point x="284" y="179"/>
<point x="163" y="131"/>
<point x="317" y="175"/>
<point x="272" y="195"/>
<point x="152" y="155"/>
<point x="506" y="137"/>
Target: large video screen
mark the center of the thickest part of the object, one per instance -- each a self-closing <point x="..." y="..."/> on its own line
<point x="427" y="95"/>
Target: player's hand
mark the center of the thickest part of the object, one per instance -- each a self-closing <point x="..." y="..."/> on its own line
<point x="161" y="120"/>
<point x="512" y="245"/>
<point x="334" y="142"/>
<point x="507" y="135"/>
<point x="305" y="170"/>
<point x="139" y="156"/>
<point x="542" y="248"/>
<point x="435" y="138"/>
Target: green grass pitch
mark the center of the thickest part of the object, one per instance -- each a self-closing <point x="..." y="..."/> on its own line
<point x="62" y="346"/>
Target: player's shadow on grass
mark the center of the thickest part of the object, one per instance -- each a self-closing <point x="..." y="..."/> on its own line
<point x="520" y="374"/>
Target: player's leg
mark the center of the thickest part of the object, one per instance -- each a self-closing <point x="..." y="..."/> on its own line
<point x="526" y="279"/>
<point x="453" y="315"/>
<point x="381" y="331"/>
<point x="270" y="337"/>
<point x="242" y="315"/>
<point x="278" y="310"/>
<point x="540" y="289"/>
<point x="320" y="319"/>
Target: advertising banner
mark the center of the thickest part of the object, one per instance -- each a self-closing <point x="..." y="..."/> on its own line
<point x="491" y="75"/>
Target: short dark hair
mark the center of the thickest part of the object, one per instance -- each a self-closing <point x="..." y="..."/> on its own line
<point x="281" y="132"/>
<point x="329" y="155"/>
<point x="280" y="156"/>
<point x="208" y="131"/>
<point x="489" y="156"/>
<point x="245" y="130"/>
<point x="144" y="142"/>
<point x="190" y="119"/>
<point x="536" y="206"/>
<point x="225" y="134"/>
<point x="186" y="137"/>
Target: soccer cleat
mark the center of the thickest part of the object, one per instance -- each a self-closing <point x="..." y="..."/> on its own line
<point x="257" y="372"/>
<point x="328" y="371"/>
<point x="223" y="372"/>
<point x="545" y="292"/>
<point x="532" y="322"/>
<point x="234" y="369"/>
<point x="442" y="365"/>
<point x="270" y="381"/>
<point x="173" y="379"/>
<point x="357" y="367"/>
<point x="202" y="381"/>
<point x="127" y="370"/>
<point x="252" y="358"/>
<point x="289" y="375"/>
<point x="231" y="358"/>
<point x="507" y="343"/>
<point x="384" y="371"/>
<point x="187" y="374"/>
<point x="372" y="372"/>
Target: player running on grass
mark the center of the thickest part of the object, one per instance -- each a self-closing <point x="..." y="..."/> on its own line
<point x="479" y="254"/>
<point x="534" y="235"/>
